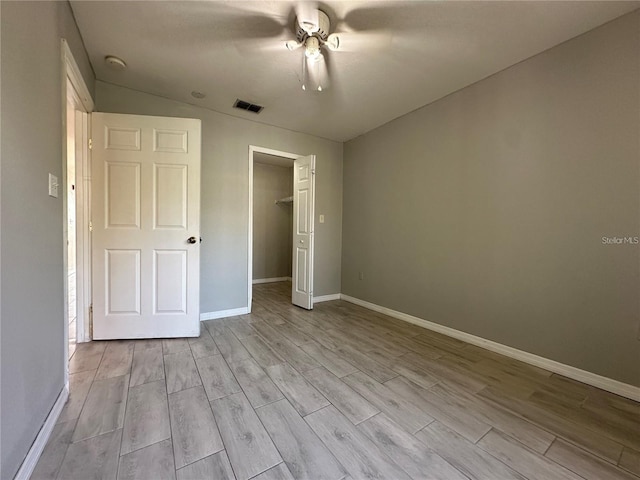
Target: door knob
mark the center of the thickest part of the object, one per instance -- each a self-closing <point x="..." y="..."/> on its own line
<point x="191" y="240"/>
<point x="301" y="241"/>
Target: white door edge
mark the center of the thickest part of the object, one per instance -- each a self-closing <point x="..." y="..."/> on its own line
<point x="303" y="231"/>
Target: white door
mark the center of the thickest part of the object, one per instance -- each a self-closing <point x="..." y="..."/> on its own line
<point x="303" y="208"/>
<point x="146" y="226"/>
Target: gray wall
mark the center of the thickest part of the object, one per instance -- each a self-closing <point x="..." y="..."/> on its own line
<point x="272" y="224"/>
<point x="32" y="228"/>
<point x="485" y="210"/>
<point x="225" y="192"/>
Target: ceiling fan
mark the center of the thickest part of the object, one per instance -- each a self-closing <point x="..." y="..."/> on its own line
<point x="360" y="30"/>
<point x="312" y="33"/>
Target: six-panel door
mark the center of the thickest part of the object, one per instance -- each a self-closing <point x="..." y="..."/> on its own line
<point x="145" y="208"/>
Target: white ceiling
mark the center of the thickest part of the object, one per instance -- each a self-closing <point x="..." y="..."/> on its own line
<point x="236" y="49"/>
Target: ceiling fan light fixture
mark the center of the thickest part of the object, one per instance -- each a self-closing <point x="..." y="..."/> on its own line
<point x="312" y="32"/>
<point x="312" y="48"/>
<point x="292" y="44"/>
<point x="333" y="42"/>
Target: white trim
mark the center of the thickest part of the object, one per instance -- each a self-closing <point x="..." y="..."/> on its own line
<point x="30" y="461"/>
<point x="613" y="386"/>
<point x="83" y="102"/>
<point x="74" y="90"/>
<point x="73" y="72"/>
<point x="224" y="313"/>
<point x="271" y="280"/>
<point x="83" y="234"/>
<point x="327" y="298"/>
<point x="269" y="151"/>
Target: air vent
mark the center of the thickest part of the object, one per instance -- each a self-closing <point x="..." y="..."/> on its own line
<point x="242" y="105"/>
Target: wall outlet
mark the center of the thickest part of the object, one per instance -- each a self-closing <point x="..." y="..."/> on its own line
<point x="321" y="218"/>
<point x="53" y="185"/>
<point x="361" y="275"/>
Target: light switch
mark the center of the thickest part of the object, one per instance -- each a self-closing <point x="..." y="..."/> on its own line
<point x="321" y="218"/>
<point x="53" y="186"/>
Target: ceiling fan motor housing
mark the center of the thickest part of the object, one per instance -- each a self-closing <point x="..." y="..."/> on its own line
<point x="322" y="32"/>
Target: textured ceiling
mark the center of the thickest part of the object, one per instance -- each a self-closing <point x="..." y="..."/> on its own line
<point x="394" y="57"/>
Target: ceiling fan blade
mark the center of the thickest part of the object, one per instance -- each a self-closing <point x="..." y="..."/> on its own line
<point x="327" y="70"/>
<point x="258" y="47"/>
<point x="315" y="74"/>
<point x="389" y="16"/>
<point x="323" y="73"/>
<point x="307" y="15"/>
<point x="360" y="42"/>
<point x="212" y="23"/>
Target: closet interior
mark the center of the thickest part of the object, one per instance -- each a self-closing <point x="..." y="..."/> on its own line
<point x="272" y="218"/>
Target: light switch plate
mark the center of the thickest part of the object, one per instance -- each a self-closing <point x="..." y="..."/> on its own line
<point x="321" y="218"/>
<point x="53" y="185"/>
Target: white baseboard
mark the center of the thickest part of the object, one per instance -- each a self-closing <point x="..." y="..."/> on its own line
<point x="30" y="461"/>
<point x="271" y="280"/>
<point x="613" y="386"/>
<point x="224" y="313"/>
<point x="326" y="298"/>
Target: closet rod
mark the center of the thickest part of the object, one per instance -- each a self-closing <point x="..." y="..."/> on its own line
<point x="284" y="200"/>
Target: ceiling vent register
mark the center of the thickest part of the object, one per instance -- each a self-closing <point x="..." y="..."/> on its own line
<point x="250" y="107"/>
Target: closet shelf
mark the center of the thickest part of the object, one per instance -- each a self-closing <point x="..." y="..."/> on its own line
<point x="284" y="200"/>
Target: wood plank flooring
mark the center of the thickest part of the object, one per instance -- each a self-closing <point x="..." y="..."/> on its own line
<point x="339" y="393"/>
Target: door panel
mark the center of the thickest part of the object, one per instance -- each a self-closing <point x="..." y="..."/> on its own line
<point x="170" y="196"/>
<point x="302" y="212"/>
<point x="174" y="141"/>
<point x="170" y="279"/>
<point x="121" y="138"/>
<point x="301" y="271"/>
<point x="122" y="281"/>
<point x="303" y="241"/>
<point x="146" y="204"/>
<point x="122" y="189"/>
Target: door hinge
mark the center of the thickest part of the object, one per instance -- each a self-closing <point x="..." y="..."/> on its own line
<point x="91" y="321"/>
<point x="313" y="171"/>
<point x="91" y="226"/>
<point x="91" y="144"/>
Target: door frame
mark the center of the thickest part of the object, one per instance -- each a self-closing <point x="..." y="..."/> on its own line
<point x="74" y="90"/>
<point x="256" y="149"/>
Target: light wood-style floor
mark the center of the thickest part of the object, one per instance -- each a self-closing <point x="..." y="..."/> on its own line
<point x="336" y="393"/>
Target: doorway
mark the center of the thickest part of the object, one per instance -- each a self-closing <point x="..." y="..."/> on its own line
<point x="74" y="189"/>
<point x="272" y="218"/>
<point x="281" y="211"/>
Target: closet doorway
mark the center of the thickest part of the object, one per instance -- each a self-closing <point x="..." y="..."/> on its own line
<point x="281" y="213"/>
